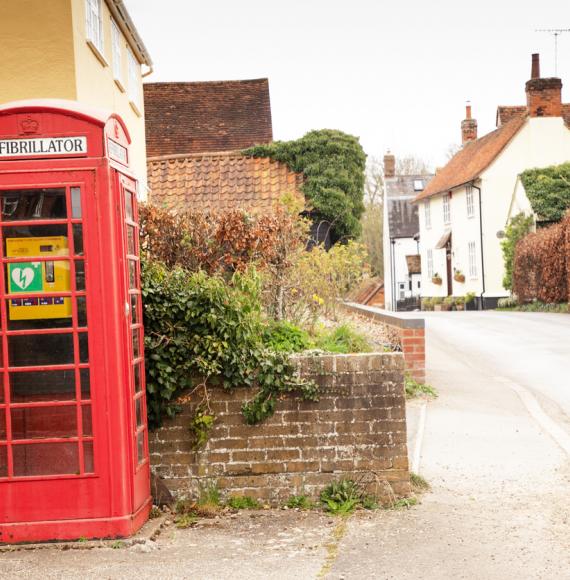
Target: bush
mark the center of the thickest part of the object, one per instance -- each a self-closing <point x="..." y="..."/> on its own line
<point x="517" y="228"/>
<point x="283" y="336"/>
<point x="343" y="340"/>
<point x="200" y="329"/>
<point x="548" y="190"/>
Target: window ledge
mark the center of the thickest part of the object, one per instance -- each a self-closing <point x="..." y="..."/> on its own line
<point x="97" y="53"/>
<point x="135" y="108"/>
<point x="120" y="85"/>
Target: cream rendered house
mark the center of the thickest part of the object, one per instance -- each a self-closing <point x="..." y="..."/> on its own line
<point x="82" y="50"/>
<point x="465" y="207"/>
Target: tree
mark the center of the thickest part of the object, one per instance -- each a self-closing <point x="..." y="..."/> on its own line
<point x="411" y="165"/>
<point x="333" y="164"/>
<point x="372" y="219"/>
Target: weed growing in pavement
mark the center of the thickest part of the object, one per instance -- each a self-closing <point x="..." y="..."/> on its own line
<point x="415" y="389"/>
<point x="302" y="502"/>
<point x="155" y="512"/>
<point x="419" y="484"/>
<point x="209" y="494"/>
<point x="343" y="497"/>
<point x="118" y="545"/>
<point x="243" y="502"/>
<point x="185" y="521"/>
<point x="403" y="503"/>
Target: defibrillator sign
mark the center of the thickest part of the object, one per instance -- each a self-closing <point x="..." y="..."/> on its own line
<point x="26" y="277"/>
<point x="43" y="147"/>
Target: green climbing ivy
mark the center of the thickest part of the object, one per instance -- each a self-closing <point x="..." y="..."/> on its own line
<point x="548" y="190"/>
<point x="333" y="164"/>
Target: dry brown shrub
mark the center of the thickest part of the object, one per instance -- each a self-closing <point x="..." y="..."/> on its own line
<point x="542" y="264"/>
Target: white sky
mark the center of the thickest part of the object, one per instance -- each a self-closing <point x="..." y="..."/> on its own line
<point x="396" y="74"/>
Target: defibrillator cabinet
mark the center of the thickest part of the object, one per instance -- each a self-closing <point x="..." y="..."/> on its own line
<point x="73" y="434"/>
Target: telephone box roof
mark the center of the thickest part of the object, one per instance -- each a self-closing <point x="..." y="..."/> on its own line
<point x="67" y="107"/>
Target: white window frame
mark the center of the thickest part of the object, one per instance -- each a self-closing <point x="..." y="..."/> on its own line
<point x="430" y="263"/>
<point x="470" y="201"/>
<point x="472" y="249"/>
<point x="427" y="213"/>
<point x="133" y="82"/>
<point x="94" y="26"/>
<point x="446" y="209"/>
<point x="116" y="43"/>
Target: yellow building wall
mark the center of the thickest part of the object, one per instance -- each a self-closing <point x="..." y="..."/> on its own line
<point x="96" y="85"/>
<point x="37" y="50"/>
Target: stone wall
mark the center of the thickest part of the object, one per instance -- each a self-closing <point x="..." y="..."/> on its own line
<point x="356" y="430"/>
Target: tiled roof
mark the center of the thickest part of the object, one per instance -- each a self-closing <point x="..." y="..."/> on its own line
<point x="414" y="263"/>
<point x="472" y="159"/>
<point x="367" y="290"/>
<point x="201" y="117"/>
<point x="219" y="182"/>
<point x="404" y="185"/>
<point x="506" y="113"/>
<point x="403" y="219"/>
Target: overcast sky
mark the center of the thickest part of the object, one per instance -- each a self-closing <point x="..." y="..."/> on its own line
<point x="396" y="74"/>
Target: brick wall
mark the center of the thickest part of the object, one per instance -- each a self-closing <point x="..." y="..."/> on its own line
<point x="357" y="430"/>
<point x="408" y="331"/>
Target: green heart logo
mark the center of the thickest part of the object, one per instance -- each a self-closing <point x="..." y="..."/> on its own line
<point x="23" y="277"/>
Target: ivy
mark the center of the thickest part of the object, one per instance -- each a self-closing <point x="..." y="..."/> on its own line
<point x="517" y="228"/>
<point x="548" y="190"/>
<point x="333" y="164"/>
<point x="201" y="331"/>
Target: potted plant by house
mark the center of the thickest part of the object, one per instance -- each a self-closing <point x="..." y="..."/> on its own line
<point x="470" y="301"/>
<point x="447" y="303"/>
<point x="427" y="304"/>
<point x="459" y="302"/>
<point x="459" y="276"/>
<point x="437" y="279"/>
<point x="436" y="303"/>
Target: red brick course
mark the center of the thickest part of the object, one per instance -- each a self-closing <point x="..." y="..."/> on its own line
<point x="356" y="430"/>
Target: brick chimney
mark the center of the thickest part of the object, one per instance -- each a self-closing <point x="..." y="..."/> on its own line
<point x="543" y="96"/>
<point x="468" y="126"/>
<point x="389" y="165"/>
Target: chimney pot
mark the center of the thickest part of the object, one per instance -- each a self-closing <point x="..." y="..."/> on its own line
<point x="468" y="126"/>
<point x="535" y="68"/>
<point x="389" y="165"/>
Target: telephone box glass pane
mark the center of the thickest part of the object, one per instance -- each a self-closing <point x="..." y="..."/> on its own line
<point x="134" y="309"/>
<point x="79" y="275"/>
<point x="78" y="239"/>
<point x="76" y="202"/>
<point x="85" y="384"/>
<point x="132" y="275"/>
<point x="44" y="422"/>
<point x="36" y="241"/>
<point x="2" y="424"/>
<point x="31" y="387"/>
<point x="81" y="311"/>
<point x="45" y="459"/>
<point x="1" y="387"/>
<point x="3" y="461"/>
<point x="39" y="312"/>
<point x="40" y="350"/>
<point x="131" y="247"/>
<point x="138" y="382"/>
<point x="140" y="447"/>
<point x="88" y="458"/>
<point x="129" y="206"/>
<point x="83" y="348"/>
<point x="136" y="345"/>
<point x="87" y="423"/>
<point x="139" y="413"/>
<point x="33" y="204"/>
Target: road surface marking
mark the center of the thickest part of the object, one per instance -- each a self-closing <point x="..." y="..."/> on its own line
<point x="418" y="441"/>
<point x="536" y="412"/>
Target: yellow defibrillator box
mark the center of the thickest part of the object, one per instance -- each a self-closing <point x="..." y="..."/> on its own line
<point x="35" y="277"/>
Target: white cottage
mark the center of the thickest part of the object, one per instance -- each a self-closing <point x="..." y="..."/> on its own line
<point x="465" y="207"/>
<point x="402" y="266"/>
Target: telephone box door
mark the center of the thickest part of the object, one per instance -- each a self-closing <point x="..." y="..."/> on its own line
<point x="52" y="436"/>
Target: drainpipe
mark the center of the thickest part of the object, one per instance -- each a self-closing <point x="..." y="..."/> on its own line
<point x="393" y="271"/>
<point x="481" y="238"/>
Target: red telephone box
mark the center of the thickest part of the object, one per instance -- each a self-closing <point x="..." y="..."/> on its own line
<point x="73" y="435"/>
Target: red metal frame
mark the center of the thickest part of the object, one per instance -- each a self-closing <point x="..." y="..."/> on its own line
<point x="109" y="494"/>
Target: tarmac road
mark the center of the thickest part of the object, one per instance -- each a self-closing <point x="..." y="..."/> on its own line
<point x="496" y="450"/>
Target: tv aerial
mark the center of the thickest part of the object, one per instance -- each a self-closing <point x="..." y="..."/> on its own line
<point x="556" y="32"/>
